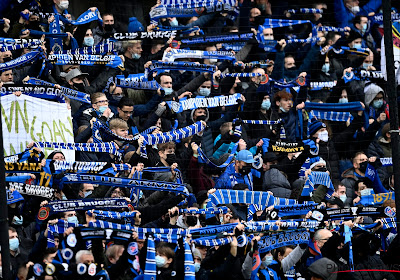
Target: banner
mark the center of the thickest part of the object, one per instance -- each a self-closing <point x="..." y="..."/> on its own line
<point x="33" y="190"/>
<point x="26" y="119"/>
<point x="145" y="35"/>
<point x="174" y="54"/>
<point x="113" y="61"/>
<point x="44" y="92"/>
<point x="203" y="102"/>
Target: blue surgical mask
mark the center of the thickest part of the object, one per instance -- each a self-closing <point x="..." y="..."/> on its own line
<point x="102" y="109"/>
<point x="364" y="27"/>
<point x="266" y="104"/>
<point x="17" y="221"/>
<point x="268" y="260"/>
<point x="343" y="100"/>
<point x="325" y="68"/>
<point x="88" y="41"/>
<point x="357" y="46"/>
<point x="117" y="97"/>
<point x="343" y="197"/>
<point x="366" y="65"/>
<point x="283" y="109"/>
<point x="73" y="220"/>
<point x="160" y="261"/>
<point x="86" y="194"/>
<point x="197" y="266"/>
<point x="174" y="22"/>
<point x="136" y="56"/>
<point x="377" y="103"/>
<point x="14" y="244"/>
<point x="168" y="91"/>
<point x="204" y="91"/>
<point x="365" y="192"/>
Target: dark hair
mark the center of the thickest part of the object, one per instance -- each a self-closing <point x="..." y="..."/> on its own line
<point x="165" y="250"/>
<point x="125" y="101"/>
<point x="357" y="19"/>
<point x="356" y="155"/>
<point x="158" y="77"/>
<point x="282" y="95"/>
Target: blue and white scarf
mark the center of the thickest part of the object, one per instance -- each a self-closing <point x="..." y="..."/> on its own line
<point x="112" y="61"/>
<point x="267" y="243"/>
<point x="378" y="18"/>
<point x="150" y="271"/>
<point x="319" y="178"/>
<point x="67" y="92"/>
<point x="13" y="47"/>
<point x="57" y="206"/>
<point x="231" y="37"/>
<point x="112" y="215"/>
<point x="274" y="23"/>
<point x="181" y="65"/>
<point x="5" y="42"/>
<point x="203" y="102"/>
<point x="132" y="81"/>
<point x="60" y="227"/>
<point x="210" y="241"/>
<point x="372" y="174"/>
<point x="84" y="18"/>
<point x="21" y="60"/>
<point x="362" y="75"/>
<point x="189" y="264"/>
<point x="13" y="197"/>
<point x="331" y="28"/>
<point x="322" y="85"/>
<point x="44" y="92"/>
<point x="174" y="54"/>
<point x="305" y="11"/>
<point x="97" y="49"/>
<point x="211" y="211"/>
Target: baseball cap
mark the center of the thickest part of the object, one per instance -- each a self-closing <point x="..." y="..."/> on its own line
<point x="74" y="73"/>
<point x="246" y="156"/>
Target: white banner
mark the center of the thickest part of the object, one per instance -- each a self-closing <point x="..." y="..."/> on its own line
<point x="26" y="119"/>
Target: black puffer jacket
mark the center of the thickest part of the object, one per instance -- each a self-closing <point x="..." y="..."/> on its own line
<point x="277" y="183"/>
<point x="328" y="152"/>
<point x="372" y="263"/>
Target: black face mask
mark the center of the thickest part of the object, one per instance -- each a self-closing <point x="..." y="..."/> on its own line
<point x="322" y="169"/>
<point x="363" y="166"/>
<point x="171" y="158"/>
<point x="79" y="87"/>
<point x="191" y="221"/>
<point x="245" y="170"/>
<point x="7" y="59"/>
<point x="108" y="27"/>
<point x="201" y="118"/>
<point x="34" y="25"/>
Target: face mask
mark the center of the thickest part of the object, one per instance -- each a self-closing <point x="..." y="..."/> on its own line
<point x="343" y="100"/>
<point x="63" y="5"/>
<point x="63" y="197"/>
<point x="366" y="65"/>
<point x="102" y="109"/>
<point x="363" y="166"/>
<point x="245" y="170"/>
<point x="197" y="266"/>
<point x="79" y="87"/>
<point x="213" y="60"/>
<point x="364" y="27"/>
<point x="201" y="118"/>
<point x="160" y="261"/>
<point x="73" y="220"/>
<point x="191" y="221"/>
<point x="377" y="103"/>
<point x="168" y="91"/>
<point x="88" y="41"/>
<point x="174" y="22"/>
<point x="266" y="104"/>
<point x="14" y="244"/>
<point x="171" y="158"/>
<point x="365" y="192"/>
<point x="17" y="221"/>
<point x="117" y="97"/>
<point x="325" y="68"/>
<point x="221" y="219"/>
<point x="34" y="25"/>
<point x="283" y="109"/>
<point x="204" y="91"/>
<point x="343" y="197"/>
<point x="322" y="169"/>
<point x="86" y="194"/>
<point x="136" y="56"/>
<point x="323" y="136"/>
<point x="7" y="59"/>
<point x="108" y="27"/>
<point x="357" y="46"/>
<point x="268" y="260"/>
<point x="355" y="9"/>
<point x="268" y="37"/>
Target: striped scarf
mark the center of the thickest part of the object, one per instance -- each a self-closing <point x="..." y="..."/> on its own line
<point x="230" y="37"/>
<point x="174" y="54"/>
<point x="189" y="264"/>
<point x="13" y="47"/>
<point x="209" y="241"/>
<point x="112" y="215"/>
<point x="331" y="28"/>
<point x="305" y="11"/>
<point x="60" y="227"/>
<point x="274" y="23"/>
<point x="150" y="271"/>
<point x="332" y="115"/>
<point x="179" y="65"/>
<point x="320" y="178"/>
<point x="97" y="49"/>
<point x="22" y="60"/>
<point x="208" y="211"/>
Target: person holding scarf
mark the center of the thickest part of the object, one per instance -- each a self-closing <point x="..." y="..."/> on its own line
<point x="99" y="110"/>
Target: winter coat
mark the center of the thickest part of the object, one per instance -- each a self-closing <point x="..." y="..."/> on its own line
<point x="277" y="183"/>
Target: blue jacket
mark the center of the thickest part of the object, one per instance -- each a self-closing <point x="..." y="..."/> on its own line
<point x="344" y="17"/>
<point x="230" y="178"/>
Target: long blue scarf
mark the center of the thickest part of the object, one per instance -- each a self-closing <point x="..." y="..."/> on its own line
<point x="132" y="82"/>
<point x="292" y="210"/>
<point x="21" y="60"/>
<point x="57" y="206"/>
<point x="372" y="174"/>
<point x="331" y="28"/>
<point x="13" y="47"/>
<point x="176" y="54"/>
<point x="150" y="271"/>
<point x="84" y="18"/>
<point x="54" y="34"/>
<point x="378" y="18"/>
<point x="305" y="11"/>
<point x="267" y="243"/>
<point x="97" y="49"/>
<point x="209" y="241"/>
<point x="273" y="23"/>
<point x="31" y="190"/>
<point x="145" y="35"/>
<point x="212" y="211"/>
<point x="60" y="227"/>
<point x="320" y="178"/>
<point x="87" y="167"/>
<point x="362" y="75"/>
<point x="112" y="215"/>
<point x="124" y="182"/>
<point x="203" y="102"/>
<point x="180" y="65"/>
<point x="288" y="147"/>
<point x="13" y="197"/>
<point x="347" y="240"/>
<point x="375" y="199"/>
<point x="231" y="37"/>
<point x="11" y="41"/>
<point x="189" y="263"/>
<point x="112" y="61"/>
<point x="44" y="92"/>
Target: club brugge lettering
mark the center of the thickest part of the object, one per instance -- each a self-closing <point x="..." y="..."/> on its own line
<point x="371" y="74"/>
<point x="31" y="189"/>
<point x="145" y="35"/>
<point x="282" y="239"/>
<point x="23" y="166"/>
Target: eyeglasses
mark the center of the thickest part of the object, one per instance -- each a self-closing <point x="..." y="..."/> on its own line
<point x="128" y="112"/>
<point x="101" y="102"/>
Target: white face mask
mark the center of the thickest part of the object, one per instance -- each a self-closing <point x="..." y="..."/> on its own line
<point x="343" y="197"/>
<point x="365" y="192"/>
<point x="323" y="136"/>
<point x="63" y="5"/>
<point x="355" y="9"/>
<point x="213" y="60"/>
<point x="268" y="37"/>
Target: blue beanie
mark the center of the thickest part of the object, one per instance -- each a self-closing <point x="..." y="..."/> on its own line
<point x="134" y="25"/>
<point x="314" y="126"/>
